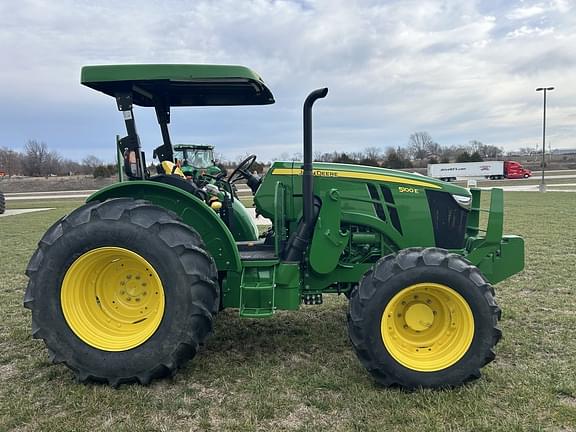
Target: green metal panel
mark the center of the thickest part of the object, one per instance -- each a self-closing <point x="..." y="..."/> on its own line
<point x="217" y="238"/>
<point x="280" y="231"/>
<point x="288" y="286"/>
<point x="262" y="287"/>
<point x="497" y="256"/>
<point x="505" y="261"/>
<point x="353" y="183"/>
<point x="230" y="288"/>
<point x="328" y="241"/>
<point x="481" y="247"/>
<point x="180" y="84"/>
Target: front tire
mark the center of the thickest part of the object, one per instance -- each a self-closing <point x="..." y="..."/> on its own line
<point x="121" y="291"/>
<point x="423" y="318"/>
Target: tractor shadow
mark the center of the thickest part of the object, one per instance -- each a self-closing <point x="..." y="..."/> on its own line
<point x="310" y="329"/>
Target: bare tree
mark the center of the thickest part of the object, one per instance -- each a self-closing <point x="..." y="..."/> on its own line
<point x="10" y="161"/>
<point x="475" y="146"/>
<point x="52" y="165"/>
<point x="419" y="144"/>
<point x="434" y="149"/>
<point x="371" y="156"/>
<point x="92" y="162"/>
<point x="397" y="158"/>
<point x="70" y="167"/>
<point x="35" y="156"/>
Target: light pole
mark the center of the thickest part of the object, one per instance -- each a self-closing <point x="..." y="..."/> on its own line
<point x="545" y="89"/>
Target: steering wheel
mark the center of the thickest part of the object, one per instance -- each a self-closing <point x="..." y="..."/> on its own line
<point x="242" y="171"/>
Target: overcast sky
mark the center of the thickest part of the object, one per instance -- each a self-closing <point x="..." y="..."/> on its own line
<point x="460" y="70"/>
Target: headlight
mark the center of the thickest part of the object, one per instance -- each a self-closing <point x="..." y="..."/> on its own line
<point x="463" y="201"/>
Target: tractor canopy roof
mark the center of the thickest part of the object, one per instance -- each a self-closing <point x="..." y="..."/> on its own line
<point x="179" y="84"/>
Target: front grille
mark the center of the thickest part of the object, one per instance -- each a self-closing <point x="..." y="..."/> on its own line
<point x="448" y="220"/>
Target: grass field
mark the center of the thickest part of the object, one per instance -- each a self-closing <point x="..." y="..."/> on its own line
<point x="520" y="182"/>
<point x="297" y="370"/>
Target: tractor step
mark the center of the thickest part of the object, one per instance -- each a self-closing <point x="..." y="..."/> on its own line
<point x="257" y="288"/>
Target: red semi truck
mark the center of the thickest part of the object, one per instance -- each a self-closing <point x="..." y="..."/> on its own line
<point x="492" y="170"/>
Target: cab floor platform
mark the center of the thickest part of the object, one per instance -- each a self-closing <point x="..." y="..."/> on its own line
<point x="256" y="250"/>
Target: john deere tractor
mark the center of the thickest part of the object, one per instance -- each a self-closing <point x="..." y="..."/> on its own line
<point x="196" y="160"/>
<point x="126" y="288"/>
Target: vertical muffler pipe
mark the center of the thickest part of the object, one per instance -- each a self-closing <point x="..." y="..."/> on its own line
<point x="300" y="239"/>
<point x="307" y="176"/>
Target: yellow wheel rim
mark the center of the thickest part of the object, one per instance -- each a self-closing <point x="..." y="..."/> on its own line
<point x="427" y="327"/>
<point x="112" y="299"/>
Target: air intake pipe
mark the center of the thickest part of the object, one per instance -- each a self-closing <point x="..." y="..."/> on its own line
<point x="299" y="240"/>
<point x="307" y="175"/>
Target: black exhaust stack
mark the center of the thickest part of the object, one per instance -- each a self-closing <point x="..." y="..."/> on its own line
<point x="307" y="176"/>
<point x="299" y="241"/>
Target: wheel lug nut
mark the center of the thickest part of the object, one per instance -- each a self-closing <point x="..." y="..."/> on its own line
<point x="122" y="283"/>
<point x="122" y="292"/>
<point x="129" y="276"/>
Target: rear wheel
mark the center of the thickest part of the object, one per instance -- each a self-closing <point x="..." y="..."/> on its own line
<point x="121" y="291"/>
<point x="2" y="203"/>
<point x="423" y="318"/>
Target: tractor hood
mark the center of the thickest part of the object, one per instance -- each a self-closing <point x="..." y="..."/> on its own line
<point x="362" y="172"/>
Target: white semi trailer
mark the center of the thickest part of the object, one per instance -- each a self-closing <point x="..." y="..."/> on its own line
<point x="490" y="170"/>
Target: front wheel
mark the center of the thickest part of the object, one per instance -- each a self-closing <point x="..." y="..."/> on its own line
<point x="423" y="318"/>
<point x="121" y="291"/>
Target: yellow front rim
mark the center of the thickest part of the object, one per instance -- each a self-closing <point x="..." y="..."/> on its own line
<point x="427" y="327"/>
<point x="112" y="299"/>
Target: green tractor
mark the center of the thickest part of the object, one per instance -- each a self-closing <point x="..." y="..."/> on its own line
<point x="196" y="161"/>
<point x="126" y="288"/>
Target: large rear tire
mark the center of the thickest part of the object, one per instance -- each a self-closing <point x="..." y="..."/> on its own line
<point x="2" y="203"/>
<point x="121" y="291"/>
<point x="424" y="318"/>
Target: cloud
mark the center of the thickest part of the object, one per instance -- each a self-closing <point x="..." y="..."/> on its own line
<point x="529" y="31"/>
<point x="459" y="69"/>
<point x="526" y="12"/>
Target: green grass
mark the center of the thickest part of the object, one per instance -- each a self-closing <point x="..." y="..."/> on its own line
<point x="296" y="371"/>
<point x="562" y="187"/>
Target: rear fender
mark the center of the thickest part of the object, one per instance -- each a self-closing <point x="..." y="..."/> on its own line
<point x="195" y="213"/>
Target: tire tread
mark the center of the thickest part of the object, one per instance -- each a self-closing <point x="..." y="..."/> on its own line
<point x="394" y="264"/>
<point x="198" y="266"/>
